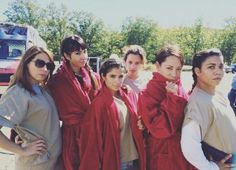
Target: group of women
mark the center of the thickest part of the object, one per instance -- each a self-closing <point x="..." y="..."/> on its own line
<point x="118" y="120"/>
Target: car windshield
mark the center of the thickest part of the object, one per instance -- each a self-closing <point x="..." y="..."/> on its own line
<point x="11" y="49"/>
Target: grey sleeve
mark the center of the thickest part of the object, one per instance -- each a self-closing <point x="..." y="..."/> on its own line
<point x="14" y="105"/>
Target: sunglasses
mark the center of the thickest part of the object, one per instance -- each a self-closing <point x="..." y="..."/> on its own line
<point x="40" y="64"/>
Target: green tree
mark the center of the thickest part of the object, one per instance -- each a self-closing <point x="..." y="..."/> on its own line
<point x="113" y="43"/>
<point x="191" y="39"/>
<point x="137" y="30"/>
<point x="56" y="25"/>
<point x="53" y="22"/>
<point x="228" y="46"/>
<point x="142" y="32"/>
<point x="195" y="40"/>
<point x="24" y="12"/>
<point x="92" y="30"/>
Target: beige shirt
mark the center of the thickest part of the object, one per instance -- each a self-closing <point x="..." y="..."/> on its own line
<point x="128" y="151"/>
<point x="39" y="114"/>
<point x="215" y="117"/>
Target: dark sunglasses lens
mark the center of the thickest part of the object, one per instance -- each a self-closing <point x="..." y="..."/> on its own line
<point x="39" y="63"/>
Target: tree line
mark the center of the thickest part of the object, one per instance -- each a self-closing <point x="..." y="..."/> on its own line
<point x="54" y="22"/>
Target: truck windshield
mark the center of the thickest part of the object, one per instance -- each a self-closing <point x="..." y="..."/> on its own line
<point x="11" y="49"/>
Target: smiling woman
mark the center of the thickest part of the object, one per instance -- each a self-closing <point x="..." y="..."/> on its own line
<point x="161" y="106"/>
<point x="77" y="84"/>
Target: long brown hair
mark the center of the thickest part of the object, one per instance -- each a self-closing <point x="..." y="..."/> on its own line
<point x="22" y="76"/>
<point x="76" y="43"/>
<point x="167" y="51"/>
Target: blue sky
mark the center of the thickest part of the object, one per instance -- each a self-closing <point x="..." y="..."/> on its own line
<point x="166" y="13"/>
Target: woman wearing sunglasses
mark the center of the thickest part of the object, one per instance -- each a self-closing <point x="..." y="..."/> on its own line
<point x="26" y="103"/>
<point x="73" y="87"/>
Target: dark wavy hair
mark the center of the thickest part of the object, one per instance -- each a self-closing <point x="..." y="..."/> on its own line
<point x="109" y="64"/>
<point x="71" y="44"/>
<point x="167" y="51"/>
<point x="199" y="58"/>
<point x="76" y="43"/>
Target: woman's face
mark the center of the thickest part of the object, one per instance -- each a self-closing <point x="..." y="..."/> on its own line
<point x="133" y="65"/>
<point x="114" y="79"/>
<point x="78" y="59"/>
<point x="37" y="68"/>
<point x="211" y="72"/>
<point x="170" y="68"/>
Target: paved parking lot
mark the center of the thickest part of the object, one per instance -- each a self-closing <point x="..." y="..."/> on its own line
<point x="6" y="158"/>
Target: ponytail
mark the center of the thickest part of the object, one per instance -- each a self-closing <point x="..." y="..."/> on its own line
<point x="194" y="81"/>
<point x="94" y="80"/>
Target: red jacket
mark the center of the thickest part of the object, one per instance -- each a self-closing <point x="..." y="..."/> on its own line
<point x="72" y="102"/>
<point x="163" y="114"/>
<point x="101" y="133"/>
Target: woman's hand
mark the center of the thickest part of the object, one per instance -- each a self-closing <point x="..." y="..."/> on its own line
<point x="140" y="123"/>
<point x="127" y="87"/>
<point x="18" y="140"/>
<point x="223" y="165"/>
<point x="38" y="147"/>
<point x="171" y="87"/>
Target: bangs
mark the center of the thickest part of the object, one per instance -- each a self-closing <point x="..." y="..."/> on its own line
<point x="76" y="46"/>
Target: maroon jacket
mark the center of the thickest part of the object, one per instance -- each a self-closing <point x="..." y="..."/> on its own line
<point x="163" y="114"/>
<point x="72" y="102"/>
<point x="101" y="133"/>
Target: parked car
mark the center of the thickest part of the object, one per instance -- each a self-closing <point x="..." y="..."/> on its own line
<point x="95" y="63"/>
<point x="231" y="68"/>
<point x="228" y="69"/>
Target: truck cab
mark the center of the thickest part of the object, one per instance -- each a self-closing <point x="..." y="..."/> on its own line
<point x="14" y="40"/>
<point x="95" y="63"/>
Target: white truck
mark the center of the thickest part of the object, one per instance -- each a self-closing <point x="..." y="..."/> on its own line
<point x="14" y="40"/>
